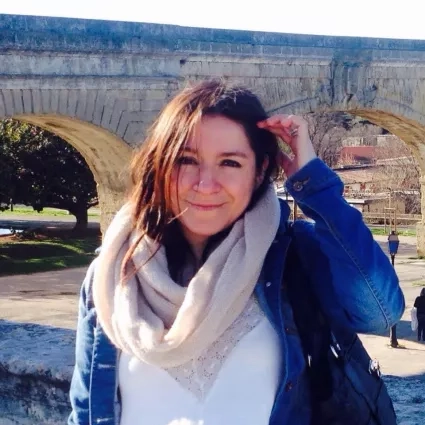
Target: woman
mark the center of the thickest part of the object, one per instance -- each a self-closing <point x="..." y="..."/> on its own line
<point x="420" y="314"/>
<point x="178" y="322"/>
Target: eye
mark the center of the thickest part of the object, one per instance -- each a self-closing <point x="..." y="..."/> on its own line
<point x="187" y="160"/>
<point x="231" y="163"/>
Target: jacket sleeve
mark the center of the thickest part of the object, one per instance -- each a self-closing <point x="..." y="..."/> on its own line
<point x="80" y="383"/>
<point x="353" y="278"/>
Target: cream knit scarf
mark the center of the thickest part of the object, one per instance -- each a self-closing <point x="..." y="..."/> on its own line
<point x="159" y="321"/>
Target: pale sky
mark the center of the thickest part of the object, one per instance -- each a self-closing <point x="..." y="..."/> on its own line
<point x="367" y="18"/>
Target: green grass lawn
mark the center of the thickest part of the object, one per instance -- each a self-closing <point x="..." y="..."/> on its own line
<point x="46" y="251"/>
<point x="50" y="212"/>
<point x="381" y="231"/>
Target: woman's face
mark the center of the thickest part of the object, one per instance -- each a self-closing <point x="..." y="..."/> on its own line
<point x="213" y="183"/>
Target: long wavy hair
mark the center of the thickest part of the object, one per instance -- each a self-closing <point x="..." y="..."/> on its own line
<point x="153" y="164"/>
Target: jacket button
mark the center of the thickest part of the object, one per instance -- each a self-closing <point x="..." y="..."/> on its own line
<point x="268" y="284"/>
<point x="288" y="386"/>
<point x="298" y="186"/>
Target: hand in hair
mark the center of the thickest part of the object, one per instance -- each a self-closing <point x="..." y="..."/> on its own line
<point x="293" y="131"/>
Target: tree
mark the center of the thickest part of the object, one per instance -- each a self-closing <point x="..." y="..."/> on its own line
<point x="399" y="173"/>
<point x="329" y="129"/>
<point x="40" y="169"/>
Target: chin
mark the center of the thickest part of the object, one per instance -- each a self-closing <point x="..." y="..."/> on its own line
<point x="206" y="229"/>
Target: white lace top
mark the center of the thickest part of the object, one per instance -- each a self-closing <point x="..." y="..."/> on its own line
<point x="233" y="382"/>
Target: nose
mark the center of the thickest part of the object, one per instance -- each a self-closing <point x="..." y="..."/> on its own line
<point x="206" y="182"/>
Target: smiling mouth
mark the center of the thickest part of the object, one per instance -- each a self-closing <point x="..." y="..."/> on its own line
<point x="205" y="207"/>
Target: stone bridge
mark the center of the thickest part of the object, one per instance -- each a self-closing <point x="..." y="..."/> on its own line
<point x="99" y="84"/>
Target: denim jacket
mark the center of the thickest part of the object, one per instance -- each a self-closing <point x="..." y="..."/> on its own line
<point x="353" y="278"/>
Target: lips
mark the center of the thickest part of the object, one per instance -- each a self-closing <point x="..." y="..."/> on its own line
<point x="205" y="207"/>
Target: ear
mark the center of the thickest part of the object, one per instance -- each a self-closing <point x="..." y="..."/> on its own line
<point x="260" y="176"/>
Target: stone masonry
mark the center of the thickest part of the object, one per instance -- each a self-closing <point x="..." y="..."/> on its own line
<point x="100" y="84"/>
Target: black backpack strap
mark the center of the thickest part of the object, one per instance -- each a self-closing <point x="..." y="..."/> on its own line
<point x="313" y="328"/>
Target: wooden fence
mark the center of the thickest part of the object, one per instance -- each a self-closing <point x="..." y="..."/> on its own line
<point x="379" y="217"/>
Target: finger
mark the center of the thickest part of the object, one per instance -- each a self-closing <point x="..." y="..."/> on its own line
<point x="283" y="121"/>
<point x="275" y="118"/>
<point x="282" y="133"/>
<point x="274" y="121"/>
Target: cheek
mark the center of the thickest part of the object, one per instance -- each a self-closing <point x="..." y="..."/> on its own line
<point x="180" y="185"/>
<point x="241" y="187"/>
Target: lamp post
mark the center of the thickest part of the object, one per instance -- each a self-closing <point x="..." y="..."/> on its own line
<point x="294" y="204"/>
<point x="393" y="243"/>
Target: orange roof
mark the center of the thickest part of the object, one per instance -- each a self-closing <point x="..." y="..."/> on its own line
<point x="359" y="153"/>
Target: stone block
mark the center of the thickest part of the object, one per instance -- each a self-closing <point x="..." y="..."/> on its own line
<point x="36" y="101"/>
<point x="18" y="102"/>
<point x="123" y="123"/>
<point x="204" y="46"/>
<point x="242" y="49"/>
<point x="8" y="102"/>
<point x="218" y="69"/>
<point x="27" y="101"/>
<point x="45" y="101"/>
<point x="222" y="48"/>
<point x="81" y="104"/>
<point x="72" y="102"/>
<point x="272" y="50"/>
<point x="134" y="105"/>
<point x="99" y="106"/>
<point x="154" y="94"/>
<point x="153" y="105"/>
<point x="137" y="116"/>
<point x="63" y="102"/>
<point x="133" y="133"/>
<point x="90" y="105"/>
<point x="54" y="101"/>
<point x="118" y="109"/>
<point x="187" y="45"/>
<point x="192" y="67"/>
<point x="245" y="69"/>
<point x="107" y="113"/>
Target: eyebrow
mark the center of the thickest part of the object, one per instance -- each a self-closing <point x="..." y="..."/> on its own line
<point x="239" y="154"/>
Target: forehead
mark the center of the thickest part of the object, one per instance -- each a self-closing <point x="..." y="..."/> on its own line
<point x="216" y="132"/>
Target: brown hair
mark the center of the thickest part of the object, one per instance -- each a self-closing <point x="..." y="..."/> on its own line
<point x="153" y="163"/>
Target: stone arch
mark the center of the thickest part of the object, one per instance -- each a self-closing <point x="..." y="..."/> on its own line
<point x="102" y="129"/>
<point x="397" y="118"/>
<point x="106" y="155"/>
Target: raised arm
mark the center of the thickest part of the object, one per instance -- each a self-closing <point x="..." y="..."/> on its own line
<point x="346" y="264"/>
<point x="353" y="278"/>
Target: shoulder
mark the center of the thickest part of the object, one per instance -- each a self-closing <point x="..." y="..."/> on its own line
<point x="306" y="244"/>
<point x="303" y="233"/>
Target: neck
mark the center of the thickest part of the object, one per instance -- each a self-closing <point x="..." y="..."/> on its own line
<point x="198" y="247"/>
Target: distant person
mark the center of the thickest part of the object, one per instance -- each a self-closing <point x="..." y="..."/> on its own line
<point x="420" y="314"/>
<point x="183" y="316"/>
